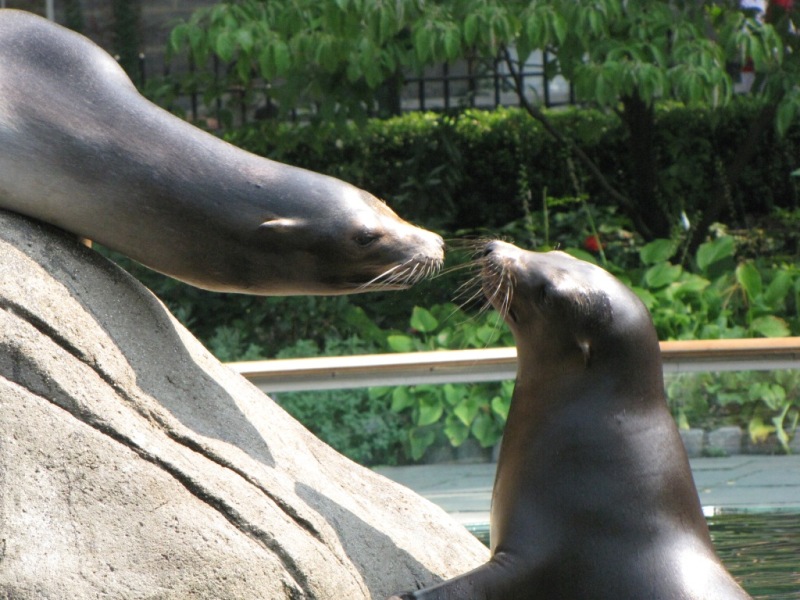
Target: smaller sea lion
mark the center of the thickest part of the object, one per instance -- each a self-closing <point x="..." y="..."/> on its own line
<point x="593" y="498"/>
<point x="81" y="149"/>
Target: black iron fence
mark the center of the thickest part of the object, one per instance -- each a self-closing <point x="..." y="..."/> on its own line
<point x="471" y="83"/>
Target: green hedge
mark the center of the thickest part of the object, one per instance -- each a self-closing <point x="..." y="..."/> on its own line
<point x="475" y="169"/>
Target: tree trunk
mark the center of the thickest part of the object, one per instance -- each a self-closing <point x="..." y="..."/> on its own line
<point x="744" y="154"/>
<point x="639" y="119"/>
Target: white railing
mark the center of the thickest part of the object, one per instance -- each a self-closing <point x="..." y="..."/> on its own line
<point x="497" y="364"/>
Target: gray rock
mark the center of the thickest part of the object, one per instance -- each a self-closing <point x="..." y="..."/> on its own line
<point x="727" y="440"/>
<point x="134" y="465"/>
<point x="693" y="440"/>
<point x="470" y="451"/>
<point x="496" y="450"/>
<point x="771" y="445"/>
<point x="794" y="443"/>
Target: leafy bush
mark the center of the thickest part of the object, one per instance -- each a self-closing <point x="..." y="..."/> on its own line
<point x="460" y="411"/>
<point x="477" y="169"/>
<point x="355" y="422"/>
<point x="716" y="298"/>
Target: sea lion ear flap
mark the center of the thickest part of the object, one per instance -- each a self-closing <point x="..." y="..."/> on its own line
<point x="279" y="225"/>
<point x="586" y="349"/>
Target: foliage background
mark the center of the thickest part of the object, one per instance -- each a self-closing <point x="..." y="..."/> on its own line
<point x="667" y="151"/>
<point x="496" y="174"/>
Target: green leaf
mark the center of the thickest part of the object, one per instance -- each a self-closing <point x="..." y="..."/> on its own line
<point x="402" y="398"/>
<point x="197" y="42"/>
<point x="750" y="279"/>
<point x="282" y="57"/>
<point x="243" y="70"/>
<point x="430" y="410"/>
<point x="657" y="251"/>
<point x="559" y="27"/>
<point x="265" y="64"/>
<point x="400" y="343"/>
<point x="662" y="274"/>
<point x="178" y="37"/>
<point x="453" y="394"/>
<point x="224" y="46"/>
<point x="485" y="430"/>
<point x="646" y="296"/>
<point x="714" y="251"/>
<point x="455" y="431"/>
<point x="778" y="288"/>
<point x="770" y="326"/>
<point x="471" y="28"/>
<point x="387" y="24"/>
<point x="758" y="430"/>
<point x="581" y="254"/>
<point x="784" y="116"/>
<point x="245" y="40"/>
<point x="500" y="406"/>
<point x="420" y="440"/>
<point x="423" y="43"/>
<point x="452" y="43"/>
<point x="467" y="409"/>
<point x="422" y="320"/>
<point x="691" y="284"/>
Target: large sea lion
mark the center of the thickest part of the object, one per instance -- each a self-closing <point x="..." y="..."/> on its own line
<point x="593" y="497"/>
<point x="81" y="149"/>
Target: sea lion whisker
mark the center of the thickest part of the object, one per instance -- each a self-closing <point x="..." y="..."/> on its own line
<point x="476" y="295"/>
<point x="465" y="243"/>
<point x="379" y="279"/>
<point x="410" y="276"/>
<point x="474" y="281"/>
<point x="472" y="264"/>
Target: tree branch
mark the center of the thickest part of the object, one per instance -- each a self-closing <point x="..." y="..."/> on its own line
<point x="625" y="203"/>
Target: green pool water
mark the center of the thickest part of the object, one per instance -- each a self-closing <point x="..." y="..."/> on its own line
<point x="761" y="549"/>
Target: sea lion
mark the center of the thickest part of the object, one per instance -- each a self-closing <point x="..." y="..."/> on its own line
<point x="593" y="497"/>
<point x="81" y="149"/>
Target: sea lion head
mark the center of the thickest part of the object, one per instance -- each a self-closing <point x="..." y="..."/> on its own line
<point x="334" y="238"/>
<point x="566" y="311"/>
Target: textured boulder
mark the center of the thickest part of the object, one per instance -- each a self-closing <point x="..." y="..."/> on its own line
<point x="134" y="465"/>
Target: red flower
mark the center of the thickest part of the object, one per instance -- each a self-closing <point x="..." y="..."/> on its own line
<point x="592" y="243"/>
<point x="784" y="4"/>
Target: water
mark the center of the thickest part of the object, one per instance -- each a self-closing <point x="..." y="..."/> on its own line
<point x="762" y="550"/>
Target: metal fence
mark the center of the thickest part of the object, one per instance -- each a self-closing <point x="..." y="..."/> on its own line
<point x="470" y="83"/>
<point x="498" y="364"/>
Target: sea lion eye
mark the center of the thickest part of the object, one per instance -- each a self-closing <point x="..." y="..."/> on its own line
<point x="365" y="238"/>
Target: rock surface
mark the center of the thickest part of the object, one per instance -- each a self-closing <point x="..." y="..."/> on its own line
<point x="134" y="465"/>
